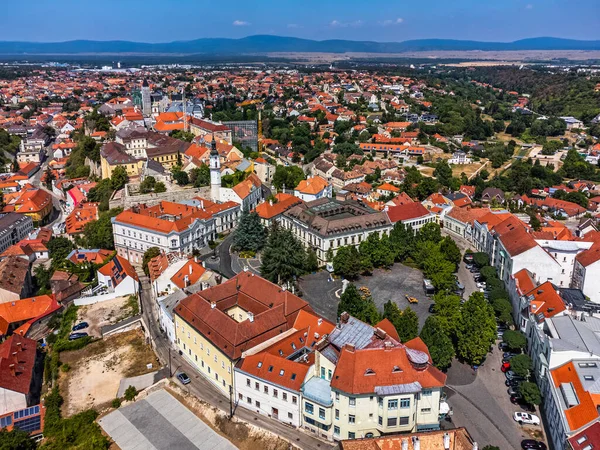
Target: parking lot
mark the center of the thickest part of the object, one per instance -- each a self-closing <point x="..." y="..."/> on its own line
<point x="393" y="284"/>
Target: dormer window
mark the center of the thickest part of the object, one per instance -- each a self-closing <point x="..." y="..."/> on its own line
<point x="259" y="364"/>
<point x="369" y="372"/>
<point x="281" y="372"/>
<point x="396" y="369"/>
<point x="270" y="368"/>
<point x="293" y="346"/>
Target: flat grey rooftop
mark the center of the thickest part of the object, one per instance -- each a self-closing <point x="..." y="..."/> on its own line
<point x="160" y="422"/>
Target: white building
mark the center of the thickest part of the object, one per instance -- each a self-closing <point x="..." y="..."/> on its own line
<point x="313" y="188"/>
<point x="119" y="276"/>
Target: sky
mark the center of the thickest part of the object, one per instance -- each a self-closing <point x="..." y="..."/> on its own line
<point x="375" y="20"/>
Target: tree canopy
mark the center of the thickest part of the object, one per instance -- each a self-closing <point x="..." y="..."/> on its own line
<point x="476" y="331"/>
<point x="250" y="233"/>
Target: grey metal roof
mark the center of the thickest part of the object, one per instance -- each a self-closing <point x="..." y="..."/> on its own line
<point x="399" y="388"/>
<point x="318" y="390"/>
<point x="575" y="334"/>
<point x="331" y="354"/>
<point x="353" y="332"/>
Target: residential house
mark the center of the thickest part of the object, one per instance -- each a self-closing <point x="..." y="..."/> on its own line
<point x="490" y="195"/>
<point x="15" y="279"/>
<point x="81" y="215"/>
<point x="25" y="316"/>
<point x="13" y="228"/>
<point x="216" y="326"/>
<point x="119" y="277"/>
<point x="413" y="215"/>
<point x="247" y="193"/>
<point x="313" y="188"/>
<point x="271" y="211"/>
<point x="17" y="373"/>
<point x="451" y="439"/>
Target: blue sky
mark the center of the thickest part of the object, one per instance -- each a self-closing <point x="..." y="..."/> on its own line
<point x="378" y="20"/>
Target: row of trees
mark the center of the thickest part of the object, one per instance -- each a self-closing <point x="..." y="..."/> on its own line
<point x="438" y="257"/>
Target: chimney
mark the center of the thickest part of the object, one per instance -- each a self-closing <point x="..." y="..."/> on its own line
<point x="186" y="281"/>
<point x="404" y="444"/>
<point x="213" y="305"/>
<point x="320" y="321"/>
<point x="416" y="443"/>
<point x="190" y="267"/>
<point x="475" y="446"/>
<point x="245" y="268"/>
<point x="380" y="333"/>
<point x="344" y="317"/>
<point x="15" y="358"/>
<point x="13" y="371"/>
<point x="20" y="347"/>
<point x="446" y="441"/>
<point x="271" y="202"/>
<point x="250" y="316"/>
<point x="387" y="346"/>
<point x="350" y="348"/>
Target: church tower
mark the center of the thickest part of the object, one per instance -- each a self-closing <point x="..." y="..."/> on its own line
<point x="146" y="101"/>
<point x="215" y="172"/>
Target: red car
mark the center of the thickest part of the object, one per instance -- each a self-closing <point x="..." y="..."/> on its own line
<point x="505" y="367"/>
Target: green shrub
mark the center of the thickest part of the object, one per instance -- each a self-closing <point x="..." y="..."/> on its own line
<point x="131" y="393"/>
<point x="116" y="403"/>
<point x="65" y="367"/>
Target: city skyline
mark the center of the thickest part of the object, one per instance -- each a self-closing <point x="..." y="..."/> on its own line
<point x="134" y="20"/>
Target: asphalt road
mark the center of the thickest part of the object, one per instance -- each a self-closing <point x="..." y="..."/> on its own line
<point x="203" y="389"/>
<point x="223" y="262"/>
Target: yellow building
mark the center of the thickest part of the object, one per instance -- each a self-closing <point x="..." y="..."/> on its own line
<point x="35" y="203"/>
<point x="166" y="156"/>
<point x="215" y="326"/>
<point x="113" y="154"/>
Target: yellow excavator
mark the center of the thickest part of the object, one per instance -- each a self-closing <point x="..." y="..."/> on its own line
<point x="411" y="299"/>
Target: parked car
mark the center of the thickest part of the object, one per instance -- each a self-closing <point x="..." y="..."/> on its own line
<point x="500" y="334"/>
<point x="481" y="284"/>
<point x="510" y="375"/>
<point x="460" y="286"/>
<point x="516" y="399"/>
<point x="505" y="367"/>
<point x="508" y="355"/>
<point x="503" y="346"/>
<point x="432" y="308"/>
<point x="512" y="390"/>
<point x="469" y="266"/>
<point x="468" y="258"/>
<point x="526" y="418"/>
<point x="74" y="336"/>
<point x="182" y="376"/>
<point x="80" y="326"/>
<point x="513" y="383"/>
<point x="530" y="444"/>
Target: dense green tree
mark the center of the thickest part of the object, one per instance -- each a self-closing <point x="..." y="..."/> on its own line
<point x="531" y="393"/>
<point x="406" y="322"/>
<point x="119" y="178"/>
<point x="148" y="184"/>
<point x="503" y="310"/>
<point x="152" y="252"/>
<point x="200" y="176"/>
<point x="515" y="340"/>
<point x="430" y="232"/>
<point x="59" y="248"/>
<point x="346" y="262"/>
<point x="41" y="279"/>
<point x="99" y="234"/>
<point x="521" y="365"/>
<point x="402" y="241"/>
<point x="443" y="173"/>
<point x="16" y="439"/>
<point x="288" y="176"/>
<point x="358" y="305"/>
<point x="488" y="273"/>
<point x="101" y="193"/>
<point x="476" y="330"/>
<point x="481" y="259"/>
<point x="578" y="197"/>
<point x="447" y="310"/>
<point x="160" y="187"/>
<point x="250" y="233"/>
<point x="284" y="257"/>
<point x="574" y="166"/>
<point x="181" y="177"/>
<point x="450" y="251"/>
<point x="312" y="261"/>
<point x="438" y="342"/>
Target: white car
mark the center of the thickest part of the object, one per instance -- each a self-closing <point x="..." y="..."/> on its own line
<point x="481" y="284"/>
<point x="525" y="418"/>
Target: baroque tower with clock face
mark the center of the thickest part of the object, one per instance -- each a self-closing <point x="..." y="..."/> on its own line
<point x="215" y="172"/>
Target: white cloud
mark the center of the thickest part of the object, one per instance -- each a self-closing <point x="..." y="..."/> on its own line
<point x="389" y="22"/>
<point x="240" y="23"/>
<point x="338" y="24"/>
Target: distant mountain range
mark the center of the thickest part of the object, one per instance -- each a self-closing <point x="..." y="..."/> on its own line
<point x="270" y="44"/>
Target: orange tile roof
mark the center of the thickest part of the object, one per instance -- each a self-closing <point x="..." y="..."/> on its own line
<point x="524" y="281"/>
<point x="546" y="301"/>
<point x="191" y="271"/>
<point x="110" y="269"/>
<point x="267" y="211"/>
<point x="83" y="214"/>
<point x="27" y="309"/>
<point x="312" y="185"/>
<point x="586" y="411"/>
<point x="388" y="187"/>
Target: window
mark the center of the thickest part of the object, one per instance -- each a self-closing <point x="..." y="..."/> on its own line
<point x="380" y="401"/>
<point x="351" y="418"/>
<point x="270" y="369"/>
<point x="351" y="401"/>
<point x="281" y="372"/>
<point x="215" y="358"/>
<point x="284" y="396"/>
<point x="351" y="435"/>
<point x="404" y="420"/>
<point x="405" y="403"/>
<point x="256" y="386"/>
<point x="241" y="396"/>
<point x="323" y="372"/>
<point x="249" y="400"/>
<point x="294" y="400"/>
<point x="322" y="413"/>
<point x="257" y="403"/>
<point x="290" y="416"/>
<point x="380" y="421"/>
<point x="222" y="364"/>
<point x="425" y="410"/>
<point x="392" y="421"/>
<point x="329" y="374"/>
<point x="266" y="389"/>
<point x="588" y="377"/>
<point x="337" y="414"/>
<point x="336" y="430"/>
<point x="392" y="404"/>
<point x="309" y="408"/>
<point x="275" y="393"/>
<point x="426" y="392"/>
<point x="337" y="396"/>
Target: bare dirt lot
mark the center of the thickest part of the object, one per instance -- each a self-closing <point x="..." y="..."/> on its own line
<point x="96" y="370"/>
<point x="104" y="313"/>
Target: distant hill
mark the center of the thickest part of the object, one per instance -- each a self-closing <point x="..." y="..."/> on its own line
<point x="269" y="44"/>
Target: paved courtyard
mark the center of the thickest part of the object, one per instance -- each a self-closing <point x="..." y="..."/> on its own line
<point x="384" y="285"/>
<point x="160" y="422"/>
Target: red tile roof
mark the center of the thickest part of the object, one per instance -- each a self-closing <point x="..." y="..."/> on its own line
<point x="189" y="274"/>
<point x="312" y="185"/>
<point x="284" y="202"/>
<point x="27" y="310"/>
<point x="17" y="360"/>
<point x="408" y="211"/>
<point x="274" y="311"/>
<point x="517" y="241"/>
